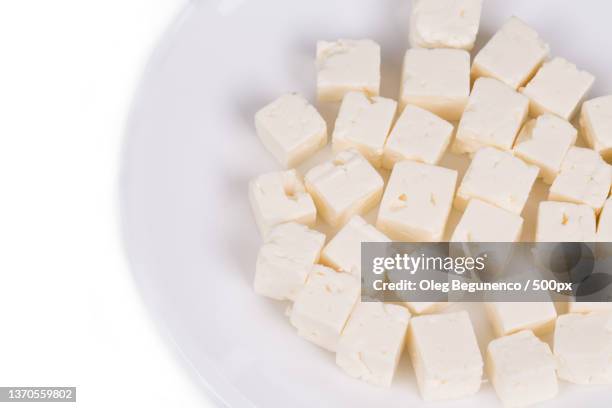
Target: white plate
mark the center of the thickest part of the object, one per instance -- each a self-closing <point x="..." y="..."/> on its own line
<point x="191" y="149"/>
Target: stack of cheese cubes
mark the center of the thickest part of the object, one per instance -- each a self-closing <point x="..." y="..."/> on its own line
<point x="509" y="108"/>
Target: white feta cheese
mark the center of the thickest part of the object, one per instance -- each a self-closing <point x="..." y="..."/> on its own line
<point x="559" y="88"/>
<point x="544" y="142"/>
<point x="364" y="123"/>
<point x="372" y="342"/>
<point x="483" y="222"/>
<point x="512" y="55"/>
<point x="286" y="259"/>
<point x="588" y="307"/>
<point x="445" y="356"/>
<point x="585" y="178"/>
<point x="291" y="129"/>
<point x="280" y="197"/>
<point x="321" y="309"/>
<point x="347" y="65"/>
<point x="565" y="222"/>
<point x="417" y="202"/>
<point x="511" y="317"/>
<point x="418" y="135"/>
<point x="603" y="249"/>
<point x="493" y="117"/>
<point x="346" y="186"/>
<point x="596" y="125"/>
<point x="437" y="80"/>
<point x="497" y="178"/>
<point x="419" y="308"/>
<point x="604" y="225"/>
<point x="445" y="23"/>
<point x="521" y="368"/>
<point x="343" y="252"/>
<point x="483" y="226"/>
<point x="583" y="348"/>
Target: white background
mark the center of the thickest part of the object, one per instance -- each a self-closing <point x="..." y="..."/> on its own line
<point x="70" y="314"/>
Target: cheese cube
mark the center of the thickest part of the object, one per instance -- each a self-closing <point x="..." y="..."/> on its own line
<point x="286" y="259"/>
<point x="522" y="369"/>
<point x="343" y="252"/>
<point x="346" y="186"/>
<point x="347" y="65"/>
<point x="512" y="55"/>
<point x="603" y="250"/>
<point x="364" y="123"/>
<point x="425" y="307"/>
<point x="417" y="202"/>
<point x="588" y="307"/>
<point x="559" y="88"/>
<point x="321" y="309"/>
<point x="511" y="317"/>
<point x="372" y="342"/>
<point x="565" y="222"/>
<point x="583" y="348"/>
<point x="445" y="356"/>
<point x="291" y="129"/>
<point x="418" y="135"/>
<point x="585" y="178"/>
<point x="483" y="222"/>
<point x="445" y="23"/>
<point x="280" y="197"/>
<point x="437" y="80"/>
<point x="497" y="178"/>
<point x="596" y="125"/>
<point x="483" y="226"/>
<point x="604" y="225"/>
<point x="493" y="117"/>
<point x="544" y="142"/>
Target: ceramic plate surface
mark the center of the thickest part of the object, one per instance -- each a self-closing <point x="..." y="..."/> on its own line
<point x="191" y="149"/>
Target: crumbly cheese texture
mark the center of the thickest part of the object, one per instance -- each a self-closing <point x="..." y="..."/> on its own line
<point x="512" y="55"/>
<point x="417" y="202"/>
<point x="559" y="88"/>
<point x="291" y="129"/>
<point x="364" y="123"/>
<point x="521" y="368"/>
<point x="565" y="222"/>
<point x="493" y="117"/>
<point x="445" y="23"/>
<point x="418" y="135"/>
<point x="583" y="348"/>
<point x="285" y="260"/>
<point x="483" y="222"/>
<point x="372" y="342"/>
<point x="321" y="309"/>
<point x="346" y="186"/>
<point x="511" y="317"/>
<point x="437" y="80"/>
<point x="544" y="142"/>
<point x="596" y="124"/>
<point x="445" y="356"/>
<point x="498" y="178"/>
<point x="604" y="225"/>
<point x="347" y="65"/>
<point x="280" y="197"/>
<point x="585" y="178"/>
<point x="343" y="252"/>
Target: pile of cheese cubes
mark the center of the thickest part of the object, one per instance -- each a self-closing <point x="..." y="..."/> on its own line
<point x="509" y="109"/>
